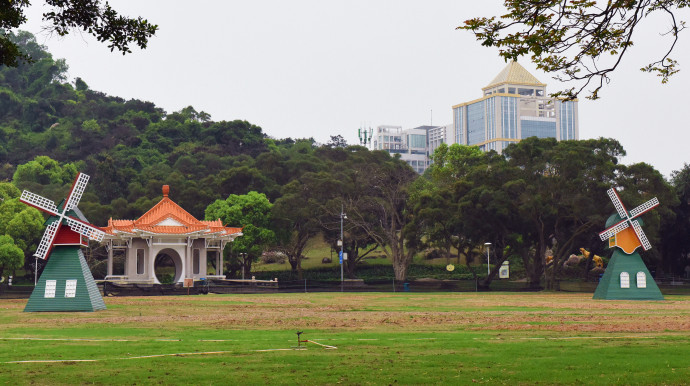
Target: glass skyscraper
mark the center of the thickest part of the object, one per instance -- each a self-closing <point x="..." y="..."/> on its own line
<point x="514" y="106"/>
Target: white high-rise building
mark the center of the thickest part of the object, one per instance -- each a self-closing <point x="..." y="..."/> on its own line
<point x="411" y="144"/>
<point x="436" y="135"/>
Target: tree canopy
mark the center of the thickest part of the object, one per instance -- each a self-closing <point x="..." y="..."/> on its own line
<point x="251" y="212"/>
<point x="540" y="198"/>
<point x="11" y="256"/>
<point x="21" y="228"/>
<point x="578" y="40"/>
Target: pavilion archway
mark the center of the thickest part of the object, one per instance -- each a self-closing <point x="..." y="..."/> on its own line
<point x="168" y="265"/>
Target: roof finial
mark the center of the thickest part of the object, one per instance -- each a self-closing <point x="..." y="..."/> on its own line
<point x="166" y="190"/>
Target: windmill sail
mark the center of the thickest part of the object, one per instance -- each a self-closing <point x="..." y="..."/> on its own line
<point x="85" y="229"/>
<point x="628" y="220"/>
<point x="77" y="191"/>
<point x="47" y="240"/>
<point x="613" y="230"/>
<point x="617" y="203"/>
<point x="646" y="245"/>
<point x="39" y="202"/>
<point x="649" y="205"/>
<point x="60" y="215"/>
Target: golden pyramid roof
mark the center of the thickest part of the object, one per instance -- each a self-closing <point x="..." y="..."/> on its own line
<point x="514" y="73"/>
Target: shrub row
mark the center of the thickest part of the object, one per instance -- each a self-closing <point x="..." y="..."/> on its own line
<point x="370" y="272"/>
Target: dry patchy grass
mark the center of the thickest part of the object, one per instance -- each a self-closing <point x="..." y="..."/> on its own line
<point x="542" y="312"/>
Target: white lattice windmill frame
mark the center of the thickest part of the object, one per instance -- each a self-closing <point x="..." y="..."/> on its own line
<point x="629" y="219"/>
<point x="48" y="206"/>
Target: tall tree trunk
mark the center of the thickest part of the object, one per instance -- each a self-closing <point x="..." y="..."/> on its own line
<point x="401" y="259"/>
<point x="247" y="267"/>
<point x="536" y="270"/>
<point x="294" y="263"/>
<point x="539" y="260"/>
<point x="400" y="268"/>
<point x="349" y="266"/>
<point x="499" y="258"/>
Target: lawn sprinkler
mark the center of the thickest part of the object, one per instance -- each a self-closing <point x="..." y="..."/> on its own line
<point x="300" y="347"/>
<point x="299" y="342"/>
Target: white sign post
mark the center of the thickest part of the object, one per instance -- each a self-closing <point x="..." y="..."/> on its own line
<point x="504" y="271"/>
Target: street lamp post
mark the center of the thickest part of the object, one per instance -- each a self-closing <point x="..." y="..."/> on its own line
<point x="342" y="245"/>
<point x="488" y="254"/>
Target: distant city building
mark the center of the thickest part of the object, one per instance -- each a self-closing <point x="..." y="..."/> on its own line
<point x="411" y="144"/>
<point x="436" y="135"/>
<point x="514" y="107"/>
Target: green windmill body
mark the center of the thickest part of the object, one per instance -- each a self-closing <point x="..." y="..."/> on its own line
<point x="626" y="276"/>
<point x="66" y="283"/>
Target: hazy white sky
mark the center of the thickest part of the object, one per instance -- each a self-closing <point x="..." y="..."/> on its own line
<point x="319" y="68"/>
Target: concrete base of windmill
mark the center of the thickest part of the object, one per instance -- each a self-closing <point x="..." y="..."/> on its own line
<point x="66" y="284"/>
<point x="627" y="278"/>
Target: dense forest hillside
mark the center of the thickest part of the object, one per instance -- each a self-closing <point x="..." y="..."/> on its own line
<point x="130" y="148"/>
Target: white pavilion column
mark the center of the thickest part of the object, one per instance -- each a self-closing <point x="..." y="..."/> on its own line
<point x="151" y="262"/>
<point x="128" y="253"/>
<point x="110" y="258"/>
<point x="187" y="259"/>
<point x="149" y="267"/>
<point x="219" y="266"/>
<point x="220" y="258"/>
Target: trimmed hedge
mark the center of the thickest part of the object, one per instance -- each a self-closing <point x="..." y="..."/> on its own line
<point x="370" y="272"/>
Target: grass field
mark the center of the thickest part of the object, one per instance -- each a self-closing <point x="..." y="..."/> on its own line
<point x="381" y="338"/>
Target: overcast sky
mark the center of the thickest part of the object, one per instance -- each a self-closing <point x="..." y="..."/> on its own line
<point x="321" y="68"/>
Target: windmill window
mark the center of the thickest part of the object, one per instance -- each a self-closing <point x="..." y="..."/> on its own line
<point x="71" y="288"/>
<point x="50" y="288"/>
<point x="196" y="262"/>
<point x="140" y="261"/>
<point x="641" y="280"/>
<point x="625" y="280"/>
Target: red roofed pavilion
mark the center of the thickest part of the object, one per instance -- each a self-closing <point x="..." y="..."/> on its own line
<point x="167" y="229"/>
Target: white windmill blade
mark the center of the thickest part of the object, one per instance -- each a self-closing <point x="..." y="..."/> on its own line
<point x="76" y="192"/>
<point x="39" y="202"/>
<point x="647" y="206"/>
<point x="47" y="240"/>
<point x="613" y="230"/>
<point x="85" y="229"/>
<point x="617" y="203"/>
<point x="646" y="245"/>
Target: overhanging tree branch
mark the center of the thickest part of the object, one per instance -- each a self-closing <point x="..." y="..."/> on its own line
<point x="91" y="16"/>
<point x="576" y="40"/>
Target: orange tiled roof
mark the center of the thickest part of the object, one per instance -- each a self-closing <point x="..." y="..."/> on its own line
<point x="166" y="217"/>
